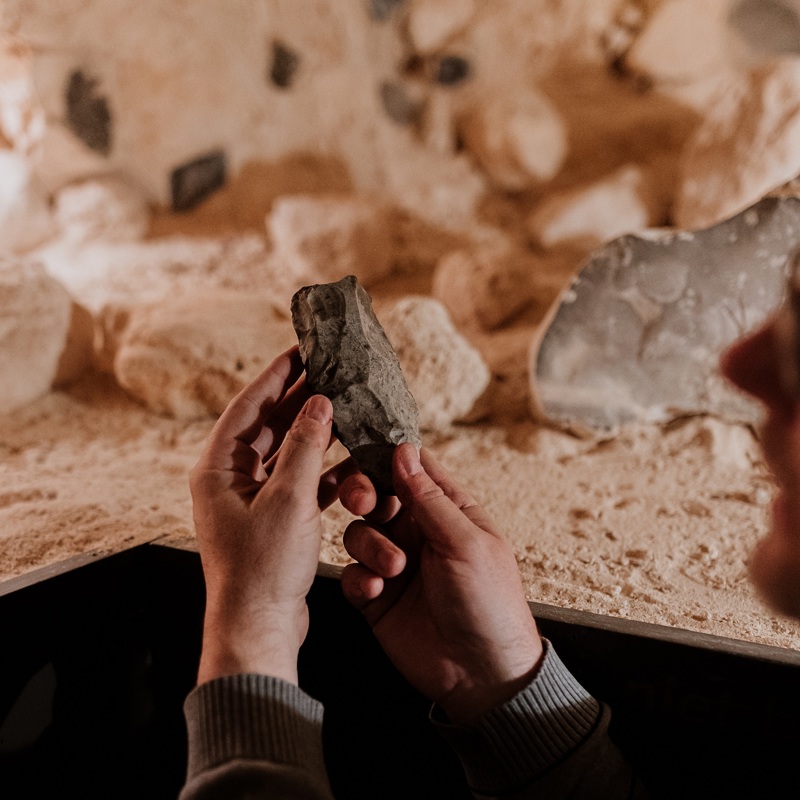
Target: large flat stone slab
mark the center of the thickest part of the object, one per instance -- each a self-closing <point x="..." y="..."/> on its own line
<point x="638" y="334"/>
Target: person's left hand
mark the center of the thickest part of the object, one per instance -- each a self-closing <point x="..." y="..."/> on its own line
<point x="257" y="492"/>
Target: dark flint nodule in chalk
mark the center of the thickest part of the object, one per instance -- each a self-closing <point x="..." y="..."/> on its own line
<point x="191" y="183"/>
<point x="397" y="104"/>
<point x="452" y="70"/>
<point x="349" y="359"/>
<point x="284" y="65"/>
<point x="88" y="116"/>
<point x="381" y="10"/>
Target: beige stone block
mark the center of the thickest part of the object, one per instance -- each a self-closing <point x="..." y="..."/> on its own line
<point x="444" y="372"/>
<point x="591" y="215"/>
<point x="519" y="139"/>
<point x="35" y="314"/>
<point x="748" y="144"/>
<point x="433" y="23"/>
<point x="108" y="208"/>
<point x="187" y="357"/>
<point x="322" y="238"/>
<point x="485" y="285"/>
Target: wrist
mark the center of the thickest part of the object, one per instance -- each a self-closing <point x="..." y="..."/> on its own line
<point x="251" y="642"/>
<point x="472" y="698"/>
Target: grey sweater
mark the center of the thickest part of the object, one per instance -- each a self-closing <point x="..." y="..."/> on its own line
<point x="253" y="736"/>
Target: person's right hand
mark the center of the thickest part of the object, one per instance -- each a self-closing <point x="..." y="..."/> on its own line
<point x="440" y="588"/>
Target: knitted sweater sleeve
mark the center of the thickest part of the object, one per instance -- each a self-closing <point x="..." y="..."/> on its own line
<point x="549" y="741"/>
<point x="254" y="736"/>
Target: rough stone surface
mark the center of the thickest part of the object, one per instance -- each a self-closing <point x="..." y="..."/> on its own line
<point x="34" y="319"/>
<point x="485" y="286"/>
<point x="433" y="23"/>
<point x="349" y="359"/>
<point x="323" y="238"/>
<point x="444" y="371"/>
<point x="748" y="144"/>
<point x="188" y="356"/>
<point x="107" y="208"/>
<point x="593" y="214"/>
<point x="639" y="333"/>
<point x="25" y="219"/>
<point x="519" y="139"/>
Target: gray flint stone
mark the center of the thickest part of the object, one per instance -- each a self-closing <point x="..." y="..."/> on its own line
<point x="349" y="359"/>
<point x="639" y="333"/>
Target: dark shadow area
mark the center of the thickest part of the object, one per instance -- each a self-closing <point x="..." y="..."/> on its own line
<point x="96" y="662"/>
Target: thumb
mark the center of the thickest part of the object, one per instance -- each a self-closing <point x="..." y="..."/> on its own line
<point x="299" y="462"/>
<point x="441" y="520"/>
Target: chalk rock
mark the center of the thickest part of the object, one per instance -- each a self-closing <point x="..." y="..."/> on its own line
<point x="485" y="286"/>
<point x="433" y="23"/>
<point x="25" y="219"/>
<point x="444" y="372"/>
<point x="520" y="139"/>
<point x="107" y="208"/>
<point x="326" y="237"/>
<point x="188" y="356"/>
<point x="748" y="144"/>
<point x="639" y="333"/>
<point x="34" y="319"/>
<point x="593" y="214"/>
<point x="349" y="359"/>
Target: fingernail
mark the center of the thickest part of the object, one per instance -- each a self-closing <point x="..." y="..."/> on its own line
<point x="409" y="458"/>
<point x="318" y="408"/>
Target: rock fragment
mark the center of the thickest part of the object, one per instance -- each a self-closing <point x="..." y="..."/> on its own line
<point x="323" y="238"/>
<point x="519" y="139"/>
<point x="446" y="374"/>
<point x="188" y="357"/>
<point x="35" y="312"/>
<point x="485" y="286"/>
<point x="349" y="359"/>
<point x="639" y="333"/>
<point x="748" y="144"/>
<point x="591" y="215"/>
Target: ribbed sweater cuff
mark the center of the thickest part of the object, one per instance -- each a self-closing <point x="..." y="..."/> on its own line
<point x="252" y="717"/>
<point x="510" y="746"/>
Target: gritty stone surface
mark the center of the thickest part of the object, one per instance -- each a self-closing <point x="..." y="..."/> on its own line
<point x="108" y="208"/>
<point x="445" y="373"/>
<point x="35" y="314"/>
<point x="323" y="238"/>
<point x="748" y="144"/>
<point x="188" y="356"/>
<point x="349" y="359"/>
<point x="590" y="215"/>
<point x="639" y="333"/>
<point x="433" y="23"/>
<point x="25" y="218"/>
<point x="485" y="286"/>
<point x="519" y="139"/>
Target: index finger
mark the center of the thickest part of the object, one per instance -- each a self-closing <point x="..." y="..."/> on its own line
<point x="244" y="419"/>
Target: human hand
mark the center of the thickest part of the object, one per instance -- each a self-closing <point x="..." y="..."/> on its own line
<point x="257" y="493"/>
<point x="753" y="364"/>
<point x="439" y="587"/>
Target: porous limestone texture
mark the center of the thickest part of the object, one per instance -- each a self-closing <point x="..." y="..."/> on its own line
<point x="444" y="372"/>
<point x="748" y="144"/>
<point x="638" y="335"/>
<point x="188" y="356"/>
<point x="349" y="360"/>
<point x="518" y="139"/>
<point x="35" y="314"/>
<point x="485" y="286"/>
<point x="323" y="238"/>
<point x="108" y="208"/>
<point x="591" y="215"/>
